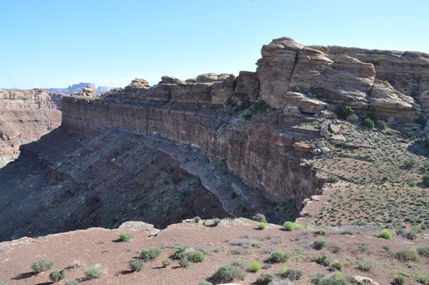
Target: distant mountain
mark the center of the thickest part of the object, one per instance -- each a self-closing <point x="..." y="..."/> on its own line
<point x="73" y="88"/>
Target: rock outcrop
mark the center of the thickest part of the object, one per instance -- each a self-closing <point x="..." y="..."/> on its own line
<point x="26" y="115"/>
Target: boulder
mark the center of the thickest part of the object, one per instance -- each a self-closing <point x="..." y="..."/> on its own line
<point x="316" y="151"/>
<point x="325" y="150"/>
<point x="337" y="139"/>
<point x="335" y="128"/>
<point x="352" y="118"/>
<point x="301" y="147"/>
<point x="365" y="280"/>
<point x="306" y="104"/>
<point x="166" y="79"/>
<point x="328" y="114"/>
<point x="207" y="78"/>
<point x="139" y="83"/>
<point x="291" y="110"/>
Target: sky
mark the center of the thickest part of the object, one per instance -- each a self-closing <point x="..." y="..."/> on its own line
<point x="55" y="43"/>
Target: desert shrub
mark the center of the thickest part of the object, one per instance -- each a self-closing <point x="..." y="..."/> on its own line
<point x="194" y="256"/>
<point x="57" y="275"/>
<point x="42" y="265"/>
<point x="385" y="234"/>
<point x="319" y="244"/>
<point x="178" y="254"/>
<point x="265" y="279"/>
<point x="166" y="262"/>
<point x="254" y="267"/>
<point x="259" y="218"/>
<point x="320" y="233"/>
<point x="293" y="274"/>
<point x="412" y="182"/>
<point x="364" y="266"/>
<point x="332" y="179"/>
<point x="92" y="273"/>
<point x="337" y="266"/>
<point x="423" y="250"/>
<point x="399" y="280"/>
<point x="229" y="272"/>
<point x="425" y="180"/>
<point x="150" y="254"/>
<point x="262" y="226"/>
<point x="279" y="256"/>
<point x="410" y="162"/>
<point x="126" y="237"/>
<point x="368" y="123"/>
<point x="197" y="219"/>
<point x="343" y="111"/>
<point x="185" y="262"/>
<point x="217" y="221"/>
<point x="422" y="278"/>
<point x="289" y="226"/>
<point x="205" y="282"/>
<point x="407" y="255"/>
<point x="136" y="265"/>
<point x="323" y="260"/>
<point x="411" y="234"/>
<point x="71" y="282"/>
<point x="316" y="278"/>
<point x="336" y="278"/>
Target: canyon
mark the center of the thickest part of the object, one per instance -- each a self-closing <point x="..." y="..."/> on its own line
<point x="217" y="145"/>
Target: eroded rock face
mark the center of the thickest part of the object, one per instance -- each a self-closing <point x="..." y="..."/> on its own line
<point x="26" y="115"/>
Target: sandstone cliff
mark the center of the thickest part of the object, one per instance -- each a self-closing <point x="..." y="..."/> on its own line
<point x="26" y="115"/>
<point x="214" y="145"/>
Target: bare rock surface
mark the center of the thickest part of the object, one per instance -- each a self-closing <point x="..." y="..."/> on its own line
<point x="26" y="115"/>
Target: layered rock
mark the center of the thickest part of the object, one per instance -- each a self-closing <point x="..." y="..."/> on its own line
<point x="26" y="115"/>
<point x="388" y="81"/>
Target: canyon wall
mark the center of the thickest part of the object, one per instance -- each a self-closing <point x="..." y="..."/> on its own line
<point x="26" y="115"/>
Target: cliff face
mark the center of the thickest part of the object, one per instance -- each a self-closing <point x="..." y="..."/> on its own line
<point x="26" y="116"/>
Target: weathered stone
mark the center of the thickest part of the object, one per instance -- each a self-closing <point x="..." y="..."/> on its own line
<point x="365" y="280"/>
<point x="301" y="147"/>
<point x="325" y="150"/>
<point x="207" y="78"/>
<point x="167" y="79"/>
<point x="139" y="83"/>
<point x="337" y="139"/>
<point x="353" y="118"/>
<point x="320" y="144"/>
<point x="291" y="110"/>
<point x="191" y="93"/>
<point x="335" y="127"/>
<point x="316" y="151"/>
<point x="247" y="86"/>
<point x="307" y="105"/>
<point x="328" y="114"/>
<point x="221" y="91"/>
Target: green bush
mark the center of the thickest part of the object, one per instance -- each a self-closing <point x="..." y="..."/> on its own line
<point x="421" y="121"/>
<point x="71" y="282"/>
<point x="423" y="251"/>
<point x="265" y="279"/>
<point x="410" y="162"/>
<point x="319" y="244"/>
<point x="320" y="233"/>
<point x="293" y="274"/>
<point x="92" y="273"/>
<point x="337" y="266"/>
<point x="254" y="267"/>
<point x="185" y="262"/>
<point x="323" y="260"/>
<point x="279" y="256"/>
<point x="197" y="219"/>
<point x="262" y="226"/>
<point x="343" y="111"/>
<point x="57" y="275"/>
<point x="136" y="265"/>
<point x="228" y="273"/>
<point x="150" y="254"/>
<point x="386" y="234"/>
<point x="166" y="262"/>
<point x="336" y="278"/>
<point x="368" y="123"/>
<point x="425" y="180"/>
<point x="259" y="218"/>
<point x="195" y="256"/>
<point x="205" y="282"/>
<point x="178" y="254"/>
<point x="399" y="280"/>
<point x="42" y="265"/>
<point x="332" y="179"/>
<point x="407" y="255"/>
<point x="422" y="278"/>
<point x="126" y="237"/>
<point x="289" y="226"/>
<point x="364" y="266"/>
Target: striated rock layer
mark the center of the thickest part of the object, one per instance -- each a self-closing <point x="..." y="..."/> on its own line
<point x="26" y="115"/>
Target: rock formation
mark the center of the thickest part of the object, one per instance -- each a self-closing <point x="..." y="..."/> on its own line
<point x="26" y="115"/>
<point x="233" y="142"/>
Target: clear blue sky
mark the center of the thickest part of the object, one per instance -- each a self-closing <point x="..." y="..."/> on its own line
<point x="54" y="43"/>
